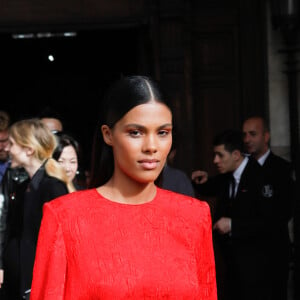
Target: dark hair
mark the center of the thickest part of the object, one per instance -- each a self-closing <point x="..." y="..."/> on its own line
<point x="4" y="120"/>
<point x="125" y="94"/>
<point x="63" y="140"/>
<point x="49" y="112"/>
<point x="232" y="139"/>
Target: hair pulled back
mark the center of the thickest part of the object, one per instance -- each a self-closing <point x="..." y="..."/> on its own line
<point x="122" y="96"/>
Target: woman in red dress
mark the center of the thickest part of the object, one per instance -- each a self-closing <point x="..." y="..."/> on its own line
<point x="127" y="238"/>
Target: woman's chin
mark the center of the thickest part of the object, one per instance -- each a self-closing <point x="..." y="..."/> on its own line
<point x="14" y="164"/>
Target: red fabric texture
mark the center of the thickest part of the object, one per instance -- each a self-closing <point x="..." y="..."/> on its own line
<point x="92" y="248"/>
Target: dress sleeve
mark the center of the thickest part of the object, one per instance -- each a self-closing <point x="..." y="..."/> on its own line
<point x="50" y="262"/>
<point x="206" y="263"/>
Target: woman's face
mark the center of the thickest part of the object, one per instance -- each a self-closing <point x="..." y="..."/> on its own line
<point x="68" y="160"/>
<point x="141" y="141"/>
<point x="19" y="155"/>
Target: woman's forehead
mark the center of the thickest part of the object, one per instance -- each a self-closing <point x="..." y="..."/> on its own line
<point x="149" y="109"/>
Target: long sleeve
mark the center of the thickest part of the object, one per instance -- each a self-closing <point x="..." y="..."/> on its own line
<point x="3" y="225"/>
<point x="206" y="263"/>
<point x="93" y="248"/>
<point x="50" y="263"/>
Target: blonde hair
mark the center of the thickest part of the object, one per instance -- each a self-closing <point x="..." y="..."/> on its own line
<point x="34" y="134"/>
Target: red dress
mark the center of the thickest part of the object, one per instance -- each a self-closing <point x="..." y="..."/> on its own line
<point x="92" y="248"/>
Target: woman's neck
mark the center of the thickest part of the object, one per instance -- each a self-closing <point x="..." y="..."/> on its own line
<point x="33" y="166"/>
<point x="131" y="192"/>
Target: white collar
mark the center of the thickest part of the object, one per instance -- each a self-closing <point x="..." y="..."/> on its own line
<point x="239" y="171"/>
<point x="263" y="158"/>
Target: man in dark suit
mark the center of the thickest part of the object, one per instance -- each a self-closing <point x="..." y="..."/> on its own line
<point x="278" y="174"/>
<point x="241" y="220"/>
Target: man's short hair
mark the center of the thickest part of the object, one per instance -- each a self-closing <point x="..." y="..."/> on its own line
<point x="232" y="139"/>
<point x="4" y="120"/>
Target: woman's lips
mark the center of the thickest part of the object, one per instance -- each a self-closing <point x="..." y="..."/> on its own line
<point x="149" y="164"/>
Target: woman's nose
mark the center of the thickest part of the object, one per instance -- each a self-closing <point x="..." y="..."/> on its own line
<point x="150" y="144"/>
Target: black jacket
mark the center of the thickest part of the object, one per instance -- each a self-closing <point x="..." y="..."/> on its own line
<point x="12" y="181"/>
<point x="24" y="221"/>
<point x="279" y="175"/>
<point x="247" y="249"/>
<point x="175" y="180"/>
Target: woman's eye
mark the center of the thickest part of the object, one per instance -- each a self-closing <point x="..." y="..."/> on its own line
<point x="163" y="132"/>
<point x="135" y="133"/>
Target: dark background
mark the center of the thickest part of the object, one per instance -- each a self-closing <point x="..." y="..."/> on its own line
<point x="210" y="57"/>
<point x="73" y="84"/>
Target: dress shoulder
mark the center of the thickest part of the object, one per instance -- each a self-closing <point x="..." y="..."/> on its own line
<point x="74" y="199"/>
<point x="180" y="197"/>
<point x="185" y="205"/>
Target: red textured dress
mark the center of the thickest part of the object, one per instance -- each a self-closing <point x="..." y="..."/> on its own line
<point x="92" y="248"/>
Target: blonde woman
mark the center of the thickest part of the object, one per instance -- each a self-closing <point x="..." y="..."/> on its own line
<point x="30" y="146"/>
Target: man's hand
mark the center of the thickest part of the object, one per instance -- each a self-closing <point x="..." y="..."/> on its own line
<point x="223" y="225"/>
<point x="199" y="176"/>
<point x="1" y="277"/>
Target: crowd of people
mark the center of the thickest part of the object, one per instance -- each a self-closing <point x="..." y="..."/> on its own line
<point x="134" y="226"/>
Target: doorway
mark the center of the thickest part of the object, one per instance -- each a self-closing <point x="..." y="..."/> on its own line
<point x="62" y="71"/>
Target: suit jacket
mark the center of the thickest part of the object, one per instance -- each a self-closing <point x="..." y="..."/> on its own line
<point x="278" y="175"/>
<point x="246" y="250"/>
<point x="24" y="222"/>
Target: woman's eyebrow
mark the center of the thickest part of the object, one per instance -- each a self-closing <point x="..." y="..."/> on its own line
<point x="139" y="126"/>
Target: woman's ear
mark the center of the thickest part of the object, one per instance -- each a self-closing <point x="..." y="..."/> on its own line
<point x="106" y="133"/>
<point x="29" y="151"/>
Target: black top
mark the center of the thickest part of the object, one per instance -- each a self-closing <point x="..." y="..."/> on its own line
<point x="24" y="221"/>
<point x="176" y="180"/>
